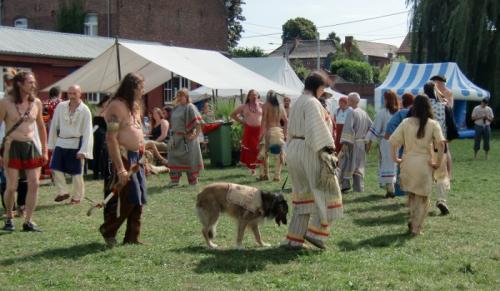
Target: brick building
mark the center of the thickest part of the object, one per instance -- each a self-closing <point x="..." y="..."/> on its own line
<point x="187" y="23"/>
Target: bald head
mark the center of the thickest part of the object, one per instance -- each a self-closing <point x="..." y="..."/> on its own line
<point x="74" y="93"/>
<point x="353" y="99"/>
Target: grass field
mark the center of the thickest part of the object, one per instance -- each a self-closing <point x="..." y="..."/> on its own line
<point x="369" y="248"/>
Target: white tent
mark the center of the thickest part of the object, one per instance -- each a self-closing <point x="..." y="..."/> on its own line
<point x="276" y="69"/>
<point x="157" y="63"/>
<point x="411" y="78"/>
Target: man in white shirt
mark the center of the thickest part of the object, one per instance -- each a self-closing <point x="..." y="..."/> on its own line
<point x="71" y="139"/>
<point x="482" y="115"/>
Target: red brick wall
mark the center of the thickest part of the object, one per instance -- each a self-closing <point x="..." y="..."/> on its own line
<point x="188" y="23"/>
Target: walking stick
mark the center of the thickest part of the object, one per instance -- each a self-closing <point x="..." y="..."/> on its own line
<point x="114" y="191"/>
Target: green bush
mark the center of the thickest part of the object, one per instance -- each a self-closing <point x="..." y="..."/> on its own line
<point x="353" y="71"/>
<point x="236" y="134"/>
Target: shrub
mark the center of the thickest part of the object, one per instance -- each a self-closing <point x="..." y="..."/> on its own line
<point x="353" y="71"/>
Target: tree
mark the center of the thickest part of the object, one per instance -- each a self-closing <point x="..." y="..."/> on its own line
<point x="70" y="16"/>
<point x="461" y="31"/>
<point x="246" y="52"/>
<point x="336" y="40"/>
<point x="299" y="28"/>
<point x="234" y="14"/>
<point x="351" y="53"/>
<point x="353" y="71"/>
<point x="299" y="69"/>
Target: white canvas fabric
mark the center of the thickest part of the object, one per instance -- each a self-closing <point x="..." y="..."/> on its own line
<point x="158" y="62"/>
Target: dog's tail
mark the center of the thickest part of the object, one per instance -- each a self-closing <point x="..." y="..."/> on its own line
<point x="210" y="231"/>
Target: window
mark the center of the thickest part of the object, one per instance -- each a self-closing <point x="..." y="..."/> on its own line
<point x="21" y="22"/>
<point x="90" y="24"/>
<point x="171" y="87"/>
<point x="93" y="97"/>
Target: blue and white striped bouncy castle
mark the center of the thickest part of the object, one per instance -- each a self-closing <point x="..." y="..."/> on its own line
<point x="411" y="78"/>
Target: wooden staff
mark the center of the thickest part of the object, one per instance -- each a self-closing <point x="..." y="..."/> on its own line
<point x="114" y="190"/>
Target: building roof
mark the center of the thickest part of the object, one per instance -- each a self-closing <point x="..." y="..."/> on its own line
<point x="376" y="49"/>
<point x="40" y="43"/>
<point x="405" y="47"/>
<point x="305" y="49"/>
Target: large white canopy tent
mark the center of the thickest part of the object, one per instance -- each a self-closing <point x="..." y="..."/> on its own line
<point x="411" y="78"/>
<point x="157" y="63"/>
<point x="276" y="69"/>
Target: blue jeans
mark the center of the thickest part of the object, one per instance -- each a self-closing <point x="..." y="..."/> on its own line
<point x="482" y="132"/>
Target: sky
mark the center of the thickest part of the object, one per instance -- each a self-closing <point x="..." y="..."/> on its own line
<point x="267" y="16"/>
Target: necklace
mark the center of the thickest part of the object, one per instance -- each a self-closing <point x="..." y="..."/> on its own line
<point x="24" y="116"/>
<point x="253" y="108"/>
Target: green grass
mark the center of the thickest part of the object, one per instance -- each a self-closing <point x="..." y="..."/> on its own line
<point x="369" y="248"/>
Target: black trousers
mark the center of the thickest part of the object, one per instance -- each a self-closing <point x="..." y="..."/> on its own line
<point x="100" y="154"/>
<point x="22" y="191"/>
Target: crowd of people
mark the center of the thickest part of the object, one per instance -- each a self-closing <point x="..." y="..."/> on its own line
<point x="325" y="152"/>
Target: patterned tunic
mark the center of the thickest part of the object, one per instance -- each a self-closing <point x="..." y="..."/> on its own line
<point x="185" y="154"/>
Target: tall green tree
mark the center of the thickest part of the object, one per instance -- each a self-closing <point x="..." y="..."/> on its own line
<point x="299" y="28"/>
<point x="234" y="16"/>
<point x="461" y="31"/>
<point x="336" y="40"/>
<point x="247" y="52"/>
<point x="70" y="16"/>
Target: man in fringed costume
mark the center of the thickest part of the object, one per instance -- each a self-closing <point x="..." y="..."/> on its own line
<point x="125" y="141"/>
<point x="310" y="151"/>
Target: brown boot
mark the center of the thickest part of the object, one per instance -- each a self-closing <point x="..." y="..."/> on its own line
<point x="133" y="231"/>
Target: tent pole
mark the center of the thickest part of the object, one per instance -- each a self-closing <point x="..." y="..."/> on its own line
<point x="241" y="96"/>
<point x="117" y="44"/>
<point x="213" y="96"/>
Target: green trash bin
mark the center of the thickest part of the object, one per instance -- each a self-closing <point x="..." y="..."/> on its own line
<point x="219" y="146"/>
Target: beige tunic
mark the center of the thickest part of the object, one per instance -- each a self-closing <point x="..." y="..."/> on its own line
<point x="309" y="131"/>
<point x="416" y="173"/>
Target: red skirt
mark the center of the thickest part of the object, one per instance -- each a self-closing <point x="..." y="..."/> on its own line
<point x="338" y="134"/>
<point x="250" y="146"/>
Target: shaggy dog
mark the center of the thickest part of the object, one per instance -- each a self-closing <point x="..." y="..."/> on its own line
<point x="248" y="205"/>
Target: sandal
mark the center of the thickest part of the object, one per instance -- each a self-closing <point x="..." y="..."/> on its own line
<point x="61" y="197"/>
<point x="74" y="202"/>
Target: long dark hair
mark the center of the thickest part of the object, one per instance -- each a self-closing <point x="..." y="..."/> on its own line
<point x="272" y="98"/>
<point x="391" y="101"/>
<point x="248" y="95"/>
<point x="407" y="100"/>
<point x="153" y="120"/>
<point x="429" y="90"/>
<point x="314" y="81"/>
<point x="422" y="111"/>
<point x="16" y="90"/>
<point x="126" y="91"/>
